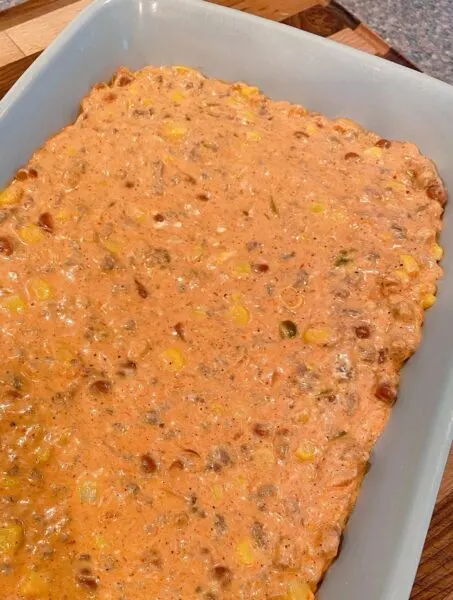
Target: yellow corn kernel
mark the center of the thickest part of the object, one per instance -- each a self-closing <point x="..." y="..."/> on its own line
<point x="14" y="304"/>
<point x="34" y="585"/>
<point x="11" y="195"/>
<point x="241" y="482"/>
<point x="311" y="128"/>
<point x="174" y="131"/>
<point x="139" y="215"/>
<point x="317" y="208"/>
<point x="428" y="300"/>
<point x="303" y="417"/>
<point x="64" y="215"/>
<point x="239" y="314"/>
<point x="317" y="335"/>
<point x="217" y="491"/>
<point x="30" y="234"/>
<point x="40" y="289"/>
<point x="395" y="185"/>
<point x="11" y="538"/>
<point x="196" y="253"/>
<point x="252" y="136"/>
<point x="244" y="553"/>
<point x="112" y="245"/>
<point x="43" y="454"/>
<point x="9" y="483"/>
<point x="224" y="256"/>
<point x="235" y="101"/>
<point x="242" y="268"/>
<point x="64" y="439"/>
<point x="100" y="542"/>
<point x="173" y="359"/>
<point x="410" y="265"/>
<point x="182" y="69"/>
<point x="248" y="91"/>
<point x="64" y="354"/>
<point x="402" y="275"/>
<point x="218" y="409"/>
<point x="247" y="117"/>
<point x="338" y="215"/>
<point x="305" y="453"/>
<point x="200" y="311"/>
<point x="298" y="590"/>
<point x="177" y="96"/>
<point x="438" y="252"/>
<point x="148" y="101"/>
<point x="71" y="151"/>
<point x="88" y="492"/>
<point x="374" y="151"/>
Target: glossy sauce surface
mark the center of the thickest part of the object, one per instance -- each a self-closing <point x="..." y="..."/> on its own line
<point x="205" y="300"/>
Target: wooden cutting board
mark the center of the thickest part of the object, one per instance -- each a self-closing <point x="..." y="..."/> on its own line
<point x="26" y="30"/>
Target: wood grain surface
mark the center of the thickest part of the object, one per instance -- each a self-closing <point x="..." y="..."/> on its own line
<point x="26" y="30"/>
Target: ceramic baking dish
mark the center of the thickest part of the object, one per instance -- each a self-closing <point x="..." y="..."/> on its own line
<point x="387" y="529"/>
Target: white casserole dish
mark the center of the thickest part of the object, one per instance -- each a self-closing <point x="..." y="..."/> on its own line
<point x="386" y="532"/>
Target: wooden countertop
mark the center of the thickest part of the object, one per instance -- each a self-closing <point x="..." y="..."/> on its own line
<point x="435" y="573"/>
<point x="26" y="30"/>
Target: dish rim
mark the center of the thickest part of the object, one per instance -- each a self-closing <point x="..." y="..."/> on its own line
<point x="422" y="506"/>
